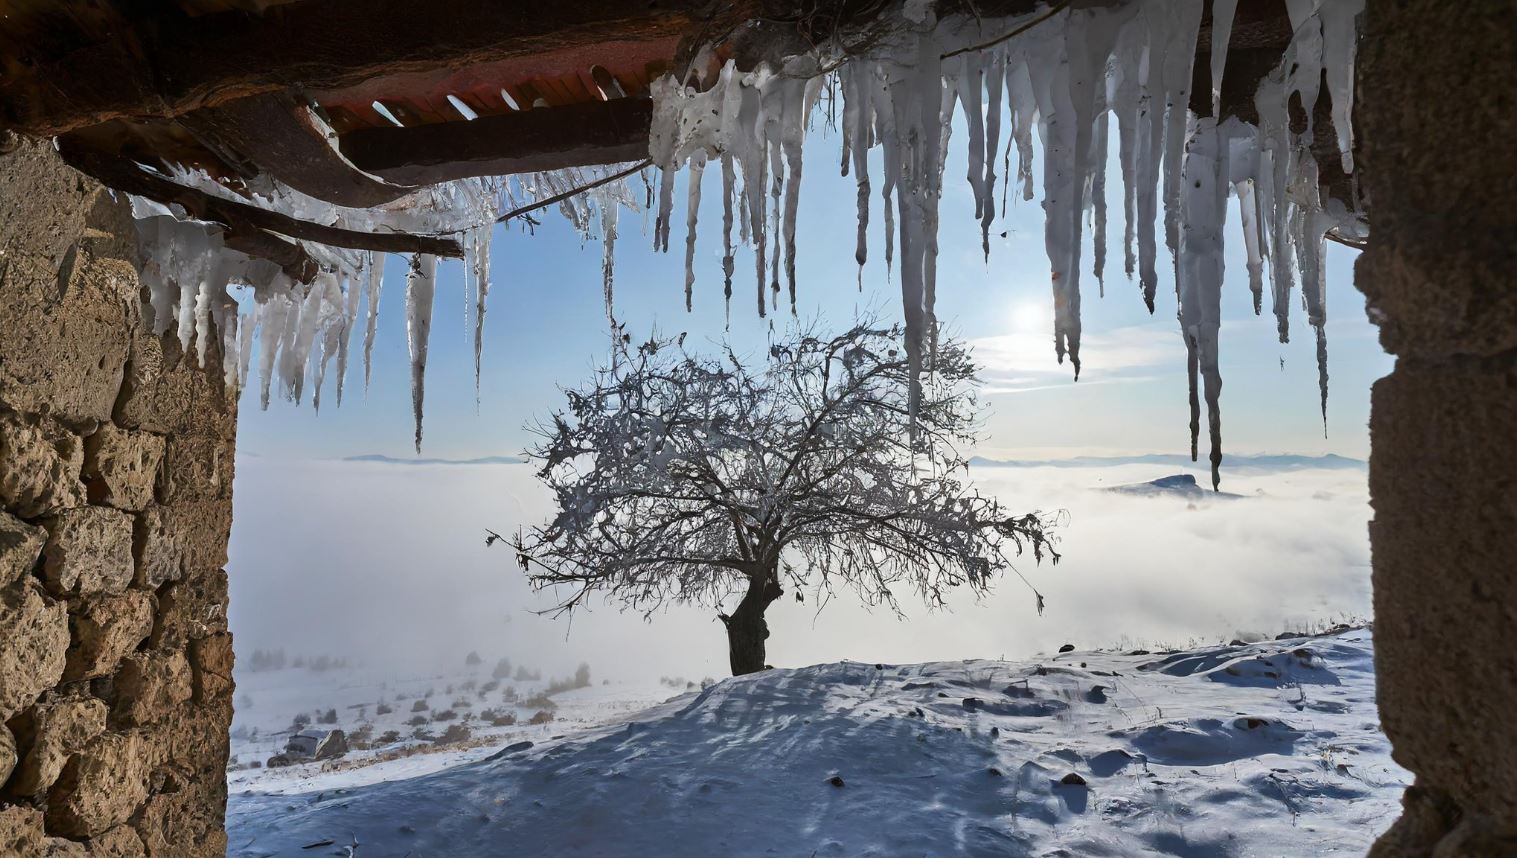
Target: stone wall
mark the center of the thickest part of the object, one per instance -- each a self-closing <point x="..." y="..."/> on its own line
<point x="115" y="506"/>
<point x="1437" y="120"/>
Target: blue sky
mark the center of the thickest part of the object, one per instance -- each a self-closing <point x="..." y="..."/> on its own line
<point x="546" y="328"/>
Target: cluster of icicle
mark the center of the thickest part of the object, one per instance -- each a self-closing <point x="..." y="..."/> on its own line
<point x="1065" y="77"/>
<point x="298" y="329"/>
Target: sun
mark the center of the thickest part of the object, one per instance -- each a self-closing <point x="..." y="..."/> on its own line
<point x="1029" y="316"/>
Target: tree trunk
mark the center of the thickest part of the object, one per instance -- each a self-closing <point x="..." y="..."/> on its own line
<point x="746" y="629"/>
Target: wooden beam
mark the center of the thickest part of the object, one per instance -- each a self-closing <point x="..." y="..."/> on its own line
<point x="242" y="218"/>
<point x="282" y="137"/>
<point x="168" y="63"/>
<point x="547" y="138"/>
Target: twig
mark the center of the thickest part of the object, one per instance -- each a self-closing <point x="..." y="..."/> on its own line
<point x="1052" y="11"/>
<point x="574" y="192"/>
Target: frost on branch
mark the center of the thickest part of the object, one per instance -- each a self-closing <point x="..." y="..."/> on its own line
<point x="680" y="477"/>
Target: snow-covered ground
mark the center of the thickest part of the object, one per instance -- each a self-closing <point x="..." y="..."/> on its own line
<point x="368" y="700"/>
<point x="1264" y="749"/>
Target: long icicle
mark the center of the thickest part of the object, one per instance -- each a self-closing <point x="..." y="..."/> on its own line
<point x="420" y="290"/>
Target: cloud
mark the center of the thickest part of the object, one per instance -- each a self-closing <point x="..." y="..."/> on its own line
<point x="1025" y="362"/>
<point x="388" y="565"/>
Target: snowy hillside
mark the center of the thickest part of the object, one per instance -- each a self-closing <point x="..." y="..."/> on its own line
<point x="1265" y="749"/>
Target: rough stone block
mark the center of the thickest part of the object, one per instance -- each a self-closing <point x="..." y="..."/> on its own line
<point x="120" y="842"/>
<point x="191" y="608"/>
<point x="32" y="647"/>
<point x="192" y="743"/>
<point x="166" y="391"/>
<point x="69" y="319"/>
<point x="151" y="687"/>
<point x="100" y="787"/>
<point x="212" y="657"/>
<point x="20" y="831"/>
<point x="105" y="631"/>
<point x="89" y="550"/>
<point x="196" y="468"/>
<point x="169" y="542"/>
<point x="20" y="546"/>
<point x="62" y="847"/>
<point x="39" y="466"/>
<point x="7" y="753"/>
<point x="185" y="822"/>
<point x="1443" y="536"/>
<point x="121" y="466"/>
<point x="50" y="732"/>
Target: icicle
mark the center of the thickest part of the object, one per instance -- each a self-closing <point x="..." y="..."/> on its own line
<point x="971" y="89"/>
<point x="420" y="289"/>
<point x="374" y="269"/>
<point x="1340" y="42"/>
<point x="1123" y="93"/>
<point x="482" y="295"/>
<point x="858" y="120"/>
<point x="1200" y="269"/>
<point x="1248" y="216"/>
<point x="246" y="330"/>
<point x="1309" y="225"/>
<point x="692" y="212"/>
<point x="329" y="323"/>
<point x="1150" y="147"/>
<point x="1222" y="12"/>
<point x="799" y="96"/>
<point x="295" y="355"/>
<point x="1024" y="106"/>
<point x="995" y="82"/>
<point x="1098" y="199"/>
<point x="608" y="216"/>
<point x="1179" y="59"/>
<point x="275" y="322"/>
<point x="351" y="294"/>
<point x="729" y="192"/>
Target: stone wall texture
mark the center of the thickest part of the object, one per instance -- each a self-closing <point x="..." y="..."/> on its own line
<point x="116" y="455"/>
<point x="1437" y="127"/>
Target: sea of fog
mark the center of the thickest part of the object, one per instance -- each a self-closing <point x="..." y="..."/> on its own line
<point x="386" y="564"/>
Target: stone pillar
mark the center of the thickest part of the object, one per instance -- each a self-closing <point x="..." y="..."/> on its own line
<point x="1437" y="123"/>
<point x="115" y="507"/>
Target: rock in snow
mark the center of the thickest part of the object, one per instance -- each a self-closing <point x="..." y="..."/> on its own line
<point x="1201" y="753"/>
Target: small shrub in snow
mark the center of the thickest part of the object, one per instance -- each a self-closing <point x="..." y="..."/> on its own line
<point x="445" y="715"/>
<point x="417" y="721"/>
<point x="454" y="734"/>
<point x="383" y="709"/>
<point x="539" y="700"/>
<point x="301" y="722"/>
<point x="419" y="706"/>
<point x="389" y="737"/>
<point x="502" y="669"/>
<point x="328" y="717"/>
<point x="472" y="659"/>
<point x="542" y="716"/>
<point x="489" y="687"/>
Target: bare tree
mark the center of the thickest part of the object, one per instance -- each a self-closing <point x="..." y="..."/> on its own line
<point x="682" y="478"/>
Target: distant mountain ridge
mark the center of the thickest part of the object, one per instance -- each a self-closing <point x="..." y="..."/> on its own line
<point x="1267" y="462"/>
<point x="393" y="460"/>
